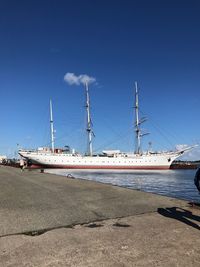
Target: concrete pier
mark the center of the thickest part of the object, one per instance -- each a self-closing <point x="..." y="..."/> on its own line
<point x="49" y="220"/>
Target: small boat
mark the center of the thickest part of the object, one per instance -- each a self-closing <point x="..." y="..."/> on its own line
<point x="108" y="159"/>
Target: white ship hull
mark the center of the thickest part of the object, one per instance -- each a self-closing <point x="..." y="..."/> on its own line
<point x="122" y="161"/>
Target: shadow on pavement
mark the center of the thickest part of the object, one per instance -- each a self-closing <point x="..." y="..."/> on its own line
<point x="182" y="215"/>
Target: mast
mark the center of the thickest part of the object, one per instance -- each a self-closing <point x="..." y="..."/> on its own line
<point x="137" y="124"/>
<point x="51" y="126"/>
<point x="138" y="121"/>
<point x="89" y="122"/>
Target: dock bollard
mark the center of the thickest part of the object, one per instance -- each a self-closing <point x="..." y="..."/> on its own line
<point x="70" y="176"/>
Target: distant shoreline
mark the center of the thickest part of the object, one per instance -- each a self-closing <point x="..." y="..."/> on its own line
<point x="179" y="164"/>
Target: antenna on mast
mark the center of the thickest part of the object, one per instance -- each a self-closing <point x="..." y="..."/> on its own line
<point x="51" y="126"/>
<point x="89" y="122"/>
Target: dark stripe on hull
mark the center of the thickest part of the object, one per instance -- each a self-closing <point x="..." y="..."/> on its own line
<point x="100" y="167"/>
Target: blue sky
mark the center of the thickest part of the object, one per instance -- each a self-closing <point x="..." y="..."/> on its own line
<point x="118" y="42"/>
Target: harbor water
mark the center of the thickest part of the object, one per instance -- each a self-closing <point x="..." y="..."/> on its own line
<point x="173" y="183"/>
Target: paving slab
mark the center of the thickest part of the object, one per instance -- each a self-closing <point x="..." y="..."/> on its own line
<point x="142" y="240"/>
<point x="33" y="201"/>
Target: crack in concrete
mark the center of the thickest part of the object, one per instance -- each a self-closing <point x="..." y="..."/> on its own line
<point x="85" y="224"/>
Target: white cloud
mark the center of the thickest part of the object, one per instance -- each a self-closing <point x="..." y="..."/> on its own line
<point x="180" y="147"/>
<point x="86" y="79"/>
<point x="73" y="79"/>
<point x="193" y="154"/>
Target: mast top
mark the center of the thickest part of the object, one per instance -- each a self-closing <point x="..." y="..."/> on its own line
<point x="136" y="87"/>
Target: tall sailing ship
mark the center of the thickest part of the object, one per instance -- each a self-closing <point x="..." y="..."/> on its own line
<point x="108" y="159"/>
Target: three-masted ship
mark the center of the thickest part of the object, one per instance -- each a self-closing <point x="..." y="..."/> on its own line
<point x="108" y="159"/>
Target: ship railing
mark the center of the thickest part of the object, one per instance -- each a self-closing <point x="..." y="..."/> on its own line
<point x="28" y="150"/>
